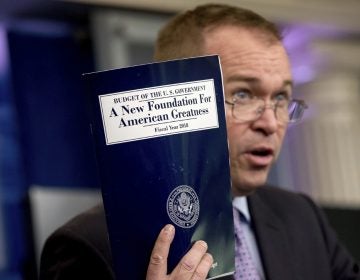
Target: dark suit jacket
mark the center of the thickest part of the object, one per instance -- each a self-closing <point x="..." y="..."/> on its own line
<point x="294" y="239"/>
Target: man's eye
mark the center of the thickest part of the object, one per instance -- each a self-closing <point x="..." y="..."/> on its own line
<point x="282" y="97"/>
<point x="242" y="95"/>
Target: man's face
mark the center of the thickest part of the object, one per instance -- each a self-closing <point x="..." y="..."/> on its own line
<point x="251" y="65"/>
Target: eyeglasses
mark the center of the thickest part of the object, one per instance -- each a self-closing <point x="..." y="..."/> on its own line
<point x="251" y="108"/>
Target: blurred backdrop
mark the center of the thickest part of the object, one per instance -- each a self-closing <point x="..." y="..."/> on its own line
<point x="47" y="164"/>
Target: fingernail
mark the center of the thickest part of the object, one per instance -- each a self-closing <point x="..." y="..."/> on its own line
<point x="169" y="229"/>
<point x="202" y="243"/>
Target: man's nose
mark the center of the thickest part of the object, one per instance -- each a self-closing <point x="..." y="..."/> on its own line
<point x="267" y="121"/>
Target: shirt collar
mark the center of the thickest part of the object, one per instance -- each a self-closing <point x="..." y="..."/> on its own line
<point x="241" y="204"/>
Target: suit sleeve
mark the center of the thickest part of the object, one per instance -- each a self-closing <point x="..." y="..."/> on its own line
<point x="67" y="257"/>
<point x="343" y="265"/>
<point x="78" y="250"/>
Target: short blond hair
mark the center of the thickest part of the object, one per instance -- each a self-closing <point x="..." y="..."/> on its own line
<point x="183" y="35"/>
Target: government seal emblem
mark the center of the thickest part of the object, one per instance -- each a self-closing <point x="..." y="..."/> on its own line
<point x="183" y="206"/>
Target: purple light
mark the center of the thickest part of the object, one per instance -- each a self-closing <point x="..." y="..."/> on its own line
<point x="298" y="39"/>
<point x="303" y="74"/>
<point x="3" y="51"/>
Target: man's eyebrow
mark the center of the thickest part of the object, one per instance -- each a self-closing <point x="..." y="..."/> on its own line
<point x="255" y="80"/>
<point x="289" y="83"/>
<point x="240" y="78"/>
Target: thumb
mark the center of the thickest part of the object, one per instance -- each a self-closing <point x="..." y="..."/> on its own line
<point x="157" y="268"/>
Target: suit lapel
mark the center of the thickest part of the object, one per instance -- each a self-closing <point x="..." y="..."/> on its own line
<point x="272" y="240"/>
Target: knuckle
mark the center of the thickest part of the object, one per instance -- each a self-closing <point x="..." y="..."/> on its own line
<point x="187" y="265"/>
<point x="156" y="259"/>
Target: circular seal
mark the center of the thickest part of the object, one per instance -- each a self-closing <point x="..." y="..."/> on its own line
<point x="183" y="206"/>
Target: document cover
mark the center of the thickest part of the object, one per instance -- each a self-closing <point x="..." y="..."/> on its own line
<point x="162" y="154"/>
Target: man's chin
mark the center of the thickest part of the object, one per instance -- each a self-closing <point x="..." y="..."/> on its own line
<point x="244" y="190"/>
<point x="243" y="187"/>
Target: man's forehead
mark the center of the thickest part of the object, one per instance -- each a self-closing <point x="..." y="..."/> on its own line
<point x="232" y="40"/>
<point x="256" y="81"/>
<point x="251" y="63"/>
<point x="243" y="53"/>
<point x="242" y="33"/>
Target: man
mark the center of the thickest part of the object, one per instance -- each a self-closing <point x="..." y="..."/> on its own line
<point x="286" y="234"/>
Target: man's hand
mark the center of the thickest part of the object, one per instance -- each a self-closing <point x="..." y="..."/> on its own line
<point x="195" y="265"/>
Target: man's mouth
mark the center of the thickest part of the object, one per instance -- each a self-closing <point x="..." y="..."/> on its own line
<point x="261" y="156"/>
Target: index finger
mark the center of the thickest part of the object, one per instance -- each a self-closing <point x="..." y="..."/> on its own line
<point x="157" y="268"/>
